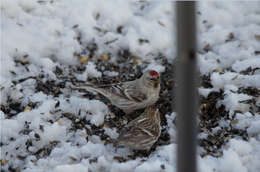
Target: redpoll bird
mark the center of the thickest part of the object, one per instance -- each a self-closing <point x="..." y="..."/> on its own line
<point x="131" y="95"/>
<point x="142" y="132"/>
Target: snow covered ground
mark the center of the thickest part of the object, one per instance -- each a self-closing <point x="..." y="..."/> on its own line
<point x="57" y="130"/>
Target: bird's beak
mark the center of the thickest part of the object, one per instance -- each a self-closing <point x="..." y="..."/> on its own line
<point x="157" y="79"/>
<point x="155" y="82"/>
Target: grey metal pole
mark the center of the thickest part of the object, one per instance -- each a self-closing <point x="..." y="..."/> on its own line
<point x="186" y="89"/>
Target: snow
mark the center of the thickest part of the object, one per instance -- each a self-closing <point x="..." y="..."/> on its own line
<point x="231" y="100"/>
<point x="254" y="127"/>
<point x="239" y="154"/>
<point x="111" y="73"/>
<point x="71" y="168"/>
<point x="9" y="128"/>
<point x="54" y="132"/>
<point x="219" y="80"/>
<point x="244" y="64"/>
<point x="111" y="132"/>
<point x="206" y="91"/>
<point x="45" y="33"/>
<point x="171" y="127"/>
<point x="92" y="71"/>
<point x="153" y="66"/>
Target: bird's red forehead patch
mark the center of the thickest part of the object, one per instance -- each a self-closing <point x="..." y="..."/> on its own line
<point x="154" y="73"/>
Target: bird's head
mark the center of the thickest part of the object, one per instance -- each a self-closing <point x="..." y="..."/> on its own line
<point x="151" y="78"/>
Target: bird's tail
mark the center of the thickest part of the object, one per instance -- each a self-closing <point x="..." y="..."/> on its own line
<point x="90" y="88"/>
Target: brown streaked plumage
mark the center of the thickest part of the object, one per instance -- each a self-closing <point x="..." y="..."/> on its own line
<point x="131" y="95"/>
<point x="142" y="132"/>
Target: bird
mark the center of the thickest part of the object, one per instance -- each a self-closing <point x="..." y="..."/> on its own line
<point x="142" y="132"/>
<point x="131" y="95"/>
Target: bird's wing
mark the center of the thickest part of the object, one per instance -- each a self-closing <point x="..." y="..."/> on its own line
<point x="135" y="133"/>
<point x="134" y="93"/>
<point x="106" y="90"/>
<point x="136" y="124"/>
<point x="126" y="91"/>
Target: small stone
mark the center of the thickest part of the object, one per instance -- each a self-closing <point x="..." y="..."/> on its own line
<point x="106" y="125"/>
<point x="257" y="37"/>
<point x="207" y="47"/>
<point x="37" y="136"/>
<point x="231" y="36"/>
<point x="84" y="59"/>
<point x="75" y="54"/>
<point x="59" y="121"/>
<point x="138" y="61"/>
<point x="3" y="161"/>
<point x="105" y="57"/>
<point x="254" y="135"/>
<point x="125" y="121"/>
<point x="73" y="158"/>
<point x="162" y="166"/>
<point x="234" y="121"/>
<point x="26" y="60"/>
<point x="112" y="115"/>
<point x="27" y="108"/>
<point x="34" y="161"/>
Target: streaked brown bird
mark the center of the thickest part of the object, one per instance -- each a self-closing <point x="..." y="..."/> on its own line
<point x="142" y="132"/>
<point x="131" y="95"/>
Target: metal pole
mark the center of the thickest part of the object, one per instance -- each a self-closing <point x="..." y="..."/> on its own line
<point x="186" y="89"/>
